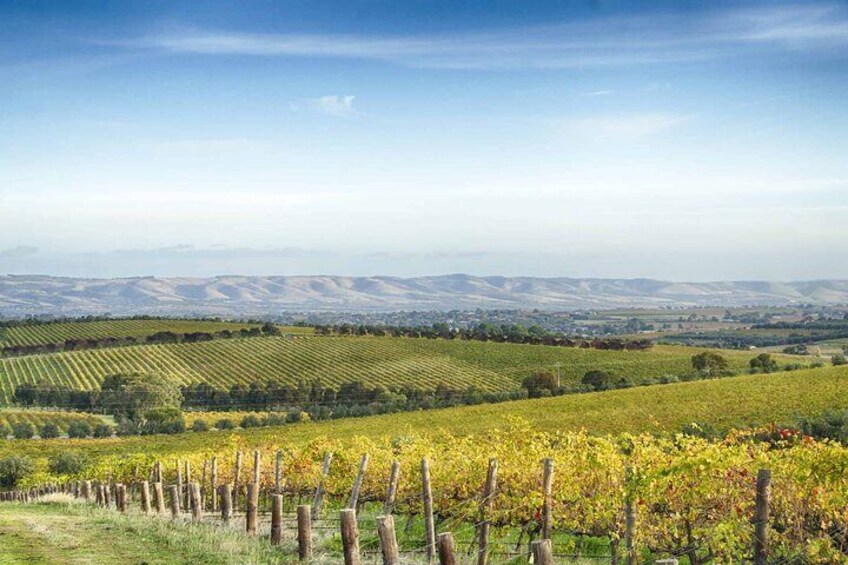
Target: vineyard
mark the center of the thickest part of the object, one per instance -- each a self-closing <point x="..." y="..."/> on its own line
<point x="36" y="334"/>
<point x="736" y="402"/>
<point x="391" y="362"/>
<point x="38" y="418"/>
<point x="636" y="495"/>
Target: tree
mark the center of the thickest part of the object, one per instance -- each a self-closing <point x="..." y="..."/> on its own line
<point x="49" y="431"/>
<point x="67" y="463"/>
<point x="763" y="363"/>
<point x="599" y="380"/>
<point x="132" y="395"/>
<point x="839" y="359"/>
<point x="14" y="468"/>
<point x="23" y="430"/>
<point x="80" y="429"/>
<point x="540" y="383"/>
<point x="710" y="364"/>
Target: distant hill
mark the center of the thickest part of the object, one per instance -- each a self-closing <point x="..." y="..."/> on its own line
<point x="232" y="295"/>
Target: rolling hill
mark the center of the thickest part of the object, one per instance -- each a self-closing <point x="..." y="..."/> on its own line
<point x="242" y="295"/>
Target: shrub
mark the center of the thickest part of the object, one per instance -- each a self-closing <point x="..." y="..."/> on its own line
<point x="23" y="430"/>
<point x="224" y="424"/>
<point x="763" y="363"/>
<point x="199" y="425"/>
<point x="67" y="463"/>
<point x="127" y="428"/>
<point x="839" y="359"/>
<point x="80" y="429"/>
<point x="49" y="431"/>
<point x="103" y="430"/>
<point x="598" y="380"/>
<point x="710" y="364"/>
<point x="537" y="383"/>
<point x="249" y="421"/>
<point x="13" y="468"/>
<point x="5" y="430"/>
<point x="163" y="421"/>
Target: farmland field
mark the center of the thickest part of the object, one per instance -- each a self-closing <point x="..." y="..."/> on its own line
<point x="38" y="418"/>
<point x="36" y="334"/>
<point x="748" y="400"/>
<point x="392" y="362"/>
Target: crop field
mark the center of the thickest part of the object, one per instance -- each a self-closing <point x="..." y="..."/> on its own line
<point x="735" y="402"/>
<point x="37" y="334"/>
<point x="392" y="362"/>
<point x="38" y="418"/>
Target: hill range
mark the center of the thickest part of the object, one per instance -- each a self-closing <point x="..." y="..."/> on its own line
<point x="244" y="295"/>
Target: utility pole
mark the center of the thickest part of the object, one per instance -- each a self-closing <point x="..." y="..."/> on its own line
<point x="558" y="365"/>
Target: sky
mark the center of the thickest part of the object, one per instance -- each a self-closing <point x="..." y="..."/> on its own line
<point x="671" y="140"/>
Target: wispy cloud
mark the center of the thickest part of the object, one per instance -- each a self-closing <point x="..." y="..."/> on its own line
<point x="595" y="93"/>
<point x="332" y="105"/>
<point x="593" y="42"/>
<point x="19" y="252"/>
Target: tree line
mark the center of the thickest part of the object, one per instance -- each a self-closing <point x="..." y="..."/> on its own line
<point x="504" y="333"/>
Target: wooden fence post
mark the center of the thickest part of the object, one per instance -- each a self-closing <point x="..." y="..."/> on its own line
<point x="427" y="500"/>
<point x="629" y="532"/>
<point x="107" y="495"/>
<point x="388" y="540"/>
<point x="391" y="492"/>
<point x="158" y="468"/>
<point x="485" y="507"/>
<point x="542" y="552"/>
<point x="350" y="537"/>
<point x="86" y="490"/>
<point x="121" y="497"/>
<point x="226" y="492"/>
<point x="357" y="484"/>
<point x="187" y="486"/>
<point x="447" y="549"/>
<point x="203" y="485"/>
<point x="276" y="519"/>
<point x="158" y="497"/>
<point x="196" y="502"/>
<point x="256" y="469"/>
<point x="145" y="497"/>
<point x="236" y="473"/>
<point x="304" y="532"/>
<point x="98" y="494"/>
<point x="547" y="485"/>
<point x="278" y="472"/>
<point x="761" y="516"/>
<point x="174" y="490"/>
<point x="318" y="501"/>
<point x="213" y="483"/>
<point x="179" y="478"/>
<point x="252" y="507"/>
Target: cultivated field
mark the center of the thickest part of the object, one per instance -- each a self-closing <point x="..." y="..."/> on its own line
<point x="37" y="334"/>
<point x="392" y="362"/>
<point x="38" y="418"/>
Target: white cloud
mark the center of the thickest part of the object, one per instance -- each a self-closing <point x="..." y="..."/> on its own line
<point x="330" y="105"/>
<point x="623" y="127"/>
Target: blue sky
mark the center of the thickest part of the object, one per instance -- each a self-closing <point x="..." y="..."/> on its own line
<point x="611" y="139"/>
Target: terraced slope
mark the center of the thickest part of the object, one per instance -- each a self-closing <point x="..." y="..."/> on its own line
<point x="392" y="362"/>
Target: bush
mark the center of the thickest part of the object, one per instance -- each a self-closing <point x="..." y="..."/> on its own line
<point x="5" y="430"/>
<point x="763" y="363"/>
<point x="49" y="431"/>
<point x="13" y="468"/>
<point x="67" y="463"/>
<point x="224" y="424"/>
<point x="839" y="359"/>
<point x="199" y="425"/>
<point x="710" y="364"/>
<point x="103" y="430"/>
<point x="127" y="428"/>
<point x="249" y="421"/>
<point x="598" y="380"/>
<point x="163" y="421"/>
<point x="23" y="430"/>
<point x="79" y="429"/>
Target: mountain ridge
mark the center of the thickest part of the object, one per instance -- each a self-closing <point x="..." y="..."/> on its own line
<point x="235" y="294"/>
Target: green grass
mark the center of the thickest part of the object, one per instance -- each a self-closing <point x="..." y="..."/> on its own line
<point x="63" y="533"/>
<point x="392" y="362"/>
<point x="743" y="401"/>
<point x="56" y="333"/>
